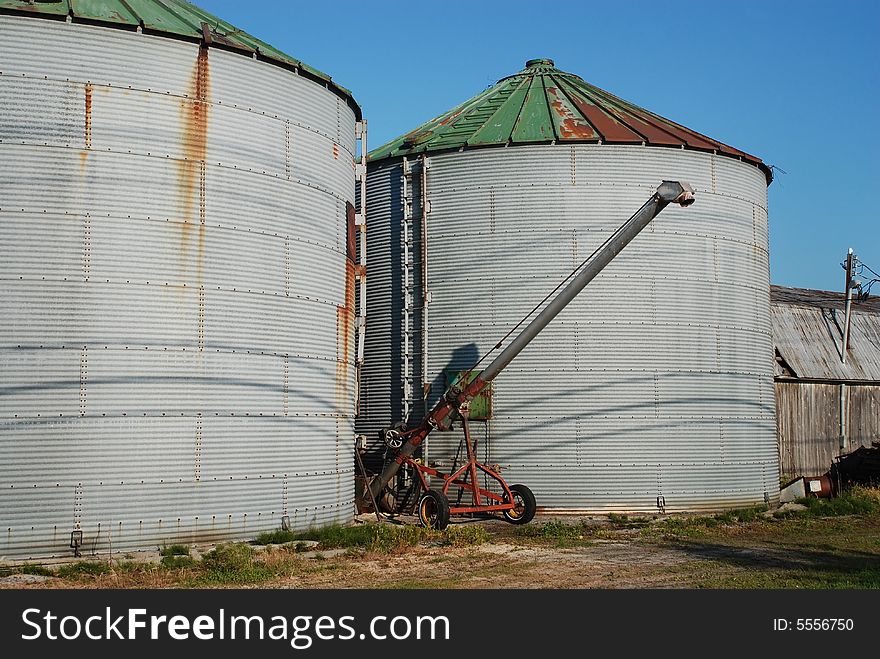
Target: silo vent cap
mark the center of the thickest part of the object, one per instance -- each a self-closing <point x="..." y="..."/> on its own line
<point x="540" y="62"/>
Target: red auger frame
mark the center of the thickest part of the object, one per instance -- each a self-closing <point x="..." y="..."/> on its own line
<point x="516" y="502"/>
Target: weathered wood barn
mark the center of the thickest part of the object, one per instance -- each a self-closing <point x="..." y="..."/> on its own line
<point x="824" y="406"/>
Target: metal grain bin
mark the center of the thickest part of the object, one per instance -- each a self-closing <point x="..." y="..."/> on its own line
<point x="654" y="389"/>
<point x="176" y="292"/>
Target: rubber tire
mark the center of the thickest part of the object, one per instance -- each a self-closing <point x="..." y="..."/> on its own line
<point x="529" y="505"/>
<point x="433" y="510"/>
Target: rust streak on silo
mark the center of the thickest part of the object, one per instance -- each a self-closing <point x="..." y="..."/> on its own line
<point x="84" y="154"/>
<point x="191" y="170"/>
<point x="345" y="313"/>
<point x="89" y="115"/>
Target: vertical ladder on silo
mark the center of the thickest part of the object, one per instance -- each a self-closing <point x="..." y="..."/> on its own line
<point x="407" y="287"/>
<point x="360" y="220"/>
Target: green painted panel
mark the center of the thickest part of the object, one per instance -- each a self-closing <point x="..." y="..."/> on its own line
<point x="481" y="406"/>
<point x="534" y="123"/>
<point x="107" y="11"/>
<point x="498" y="128"/>
<point x="51" y="8"/>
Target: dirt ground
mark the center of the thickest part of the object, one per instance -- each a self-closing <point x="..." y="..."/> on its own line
<point x="834" y="552"/>
<point x="816" y="553"/>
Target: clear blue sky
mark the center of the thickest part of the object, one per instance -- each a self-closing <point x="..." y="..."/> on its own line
<point x="795" y="82"/>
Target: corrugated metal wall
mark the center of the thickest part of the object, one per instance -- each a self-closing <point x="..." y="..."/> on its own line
<point x="176" y="344"/>
<point x="383" y="374"/>
<point x="808" y="417"/>
<point x="658" y="380"/>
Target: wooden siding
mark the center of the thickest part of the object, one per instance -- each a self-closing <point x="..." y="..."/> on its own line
<point x="808" y="424"/>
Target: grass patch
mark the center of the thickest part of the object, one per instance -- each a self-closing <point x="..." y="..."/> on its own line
<point x="276" y="537"/>
<point x="373" y="537"/>
<point x="176" y="562"/>
<point x="465" y="536"/>
<point x="233" y="563"/>
<point x="742" y="516"/>
<point x="801" y="579"/>
<point x="627" y="522"/>
<point x="833" y="543"/>
<point x="855" y="501"/>
<point x="560" y="534"/>
<point x="40" y="570"/>
<point x="176" y="557"/>
<point x="387" y="538"/>
<point x="241" y="564"/>
<point x="694" y="526"/>
<point x="552" y="530"/>
<point x="131" y="567"/>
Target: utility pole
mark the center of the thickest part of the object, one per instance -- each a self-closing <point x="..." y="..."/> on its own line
<point x="848" y="266"/>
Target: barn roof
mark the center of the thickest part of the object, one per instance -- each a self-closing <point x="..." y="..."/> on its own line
<point x="808" y="336"/>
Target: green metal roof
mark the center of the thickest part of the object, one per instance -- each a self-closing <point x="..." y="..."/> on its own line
<point x="542" y="104"/>
<point x="173" y="17"/>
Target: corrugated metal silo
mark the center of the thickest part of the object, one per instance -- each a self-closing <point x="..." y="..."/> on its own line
<point x="654" y="389"/>
<point x="176" y="345"/>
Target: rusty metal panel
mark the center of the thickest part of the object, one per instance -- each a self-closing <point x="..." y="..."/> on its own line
<point x="542" y="104"/>
<point x="177" y="357"/>
<point x="657" y="381"/>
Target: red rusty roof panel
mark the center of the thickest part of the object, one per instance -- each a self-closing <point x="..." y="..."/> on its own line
<point x="542" y="104"/>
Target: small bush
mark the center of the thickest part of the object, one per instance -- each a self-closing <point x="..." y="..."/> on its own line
<point x="174" y="550"/>
<point x="465" y="536"/>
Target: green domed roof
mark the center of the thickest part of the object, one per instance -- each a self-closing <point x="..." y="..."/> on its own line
<point x="542" y="104"/>
<point x="173" y="17"/>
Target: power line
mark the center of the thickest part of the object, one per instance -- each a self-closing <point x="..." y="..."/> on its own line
<point x="865" y="266"/>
